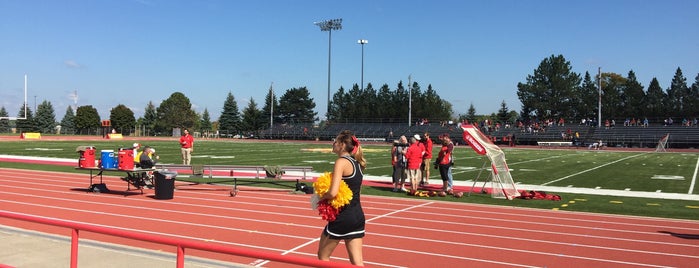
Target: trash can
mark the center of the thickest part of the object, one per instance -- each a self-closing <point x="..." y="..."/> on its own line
<point x="164" y="184"/>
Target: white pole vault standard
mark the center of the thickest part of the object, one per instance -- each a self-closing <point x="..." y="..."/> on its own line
<point x="502" y="184"/>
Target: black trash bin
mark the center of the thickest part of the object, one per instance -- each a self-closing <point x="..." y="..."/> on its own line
<point x="164" y="184"/>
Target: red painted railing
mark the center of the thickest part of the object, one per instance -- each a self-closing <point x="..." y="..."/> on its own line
<point x="179" y="243"/>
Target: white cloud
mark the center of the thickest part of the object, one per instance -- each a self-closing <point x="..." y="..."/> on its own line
<point x="72" y="64"/>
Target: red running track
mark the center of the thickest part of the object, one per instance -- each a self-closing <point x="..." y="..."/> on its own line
<point x="400" y="232"/>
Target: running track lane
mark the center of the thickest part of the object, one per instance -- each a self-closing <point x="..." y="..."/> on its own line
<point x="401" y="232"/>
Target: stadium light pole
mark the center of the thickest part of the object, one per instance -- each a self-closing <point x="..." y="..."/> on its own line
<point x="329" y="26"/>
<point x="362" y="42"/>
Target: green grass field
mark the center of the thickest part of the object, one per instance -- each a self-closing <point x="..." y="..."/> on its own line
<point x="636" y="171"/>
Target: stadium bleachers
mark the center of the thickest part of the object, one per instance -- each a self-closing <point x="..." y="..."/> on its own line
<point x="619" y="136"/>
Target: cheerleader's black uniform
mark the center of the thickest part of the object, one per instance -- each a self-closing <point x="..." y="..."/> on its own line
<point x="350" y="221"/>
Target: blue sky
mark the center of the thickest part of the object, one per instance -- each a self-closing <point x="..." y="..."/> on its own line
<point x="472" y="52"/>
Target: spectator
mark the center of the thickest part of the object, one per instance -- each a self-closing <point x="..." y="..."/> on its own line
<point x="399" y="163"/>
<point x="414" y="155"/>
<point x="147" y="158"/>
<point x="187" y="143"/>
<point x="135" y="148"/>
<point x="426" y="159"/>
<point x="445" y="161"/>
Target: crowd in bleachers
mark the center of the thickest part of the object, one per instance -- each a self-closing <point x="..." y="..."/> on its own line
<point x="633" y="132"/>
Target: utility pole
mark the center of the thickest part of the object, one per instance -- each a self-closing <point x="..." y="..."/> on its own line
<point x="599" y="99"/>
<point x="410" y="101"/>
<point x="271" y="106"/>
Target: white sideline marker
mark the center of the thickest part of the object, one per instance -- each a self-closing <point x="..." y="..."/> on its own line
<point x="694" y="177"/>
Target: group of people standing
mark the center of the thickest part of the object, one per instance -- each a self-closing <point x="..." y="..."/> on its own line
<point x="412" y="162"/>
<point x="147" y="158"/>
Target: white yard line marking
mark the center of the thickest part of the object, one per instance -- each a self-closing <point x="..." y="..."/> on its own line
<point x="591" y="169"/>
<point x="694" y="178"/>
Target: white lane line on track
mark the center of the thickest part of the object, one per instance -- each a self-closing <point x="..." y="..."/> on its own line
<point x="694" y="178"/>
<point x="388" y="215"/>
<point x="256" y="263"/>
<point x="316" y="239"/>
<point x="591" y="169"/>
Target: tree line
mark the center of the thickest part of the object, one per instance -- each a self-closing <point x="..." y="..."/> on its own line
<point x="554" y="91"/>
<point x="295" y="106"/>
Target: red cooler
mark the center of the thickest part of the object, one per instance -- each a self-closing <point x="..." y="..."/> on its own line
<point x="87" y="157"/>
<point x="126" y="158"/>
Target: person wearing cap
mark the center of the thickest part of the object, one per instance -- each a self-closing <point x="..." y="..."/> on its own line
<point x="424" y="151"/>
<point x="399" y="163"/>
<point x="147" y="158"/>
<point x="414" y="156"/>
<point x="135" y="148"/>
<point x="445" y="161"/>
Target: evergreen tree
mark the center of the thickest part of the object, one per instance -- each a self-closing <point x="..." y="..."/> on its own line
<point x="364" y="105"/>
<point x="548" y="92"/>
<point x="230" y="116"/>
<point x="205" y="123"/>
<point x="693" y="99"/>
<point x="435" y="108"/>
<point x="253" y="119"/>
<point x="384" y="107"/>
<point x="635" y="97"/>
<point x="87" y="120"/>
<point x="28" y="124"/>
<point x="175" y="112"/>
<point x="353" y="104"/>
<point x="45" y="118"/>
<point x="613" y="99"/>
<point x="503" y="114"/>
<point x="417" y="102"/>
<point x="338" y="106"/>
<point x="677" y="95"/>
<point x="150" y="117"/>
<point x="399" y="103"/>
<point x="296" y="106"/>
<point x="271" y="106"/>
<point x="654" y="100"/>
<point x="585" y="99"/>
<point x="368" y="102"/>
<point x="4" y="123"/>
<point x="123" y="119"/>
<point x="68" y="121"/>
<point x="471" y="114"/>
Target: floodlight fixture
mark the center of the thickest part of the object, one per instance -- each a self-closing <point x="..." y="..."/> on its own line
<point x="329" y="26"/>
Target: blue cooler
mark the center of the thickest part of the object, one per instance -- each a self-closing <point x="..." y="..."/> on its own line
<point x="109" y="159"/>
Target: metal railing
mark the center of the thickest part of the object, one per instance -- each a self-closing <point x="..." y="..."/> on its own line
<point x="179" y="243"/>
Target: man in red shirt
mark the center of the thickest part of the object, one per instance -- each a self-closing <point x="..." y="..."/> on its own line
<point x="414" y="156"/>
<point x="187" y="143"/>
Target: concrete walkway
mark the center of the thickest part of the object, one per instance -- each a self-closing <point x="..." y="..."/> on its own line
<point x="49" y="251"/>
